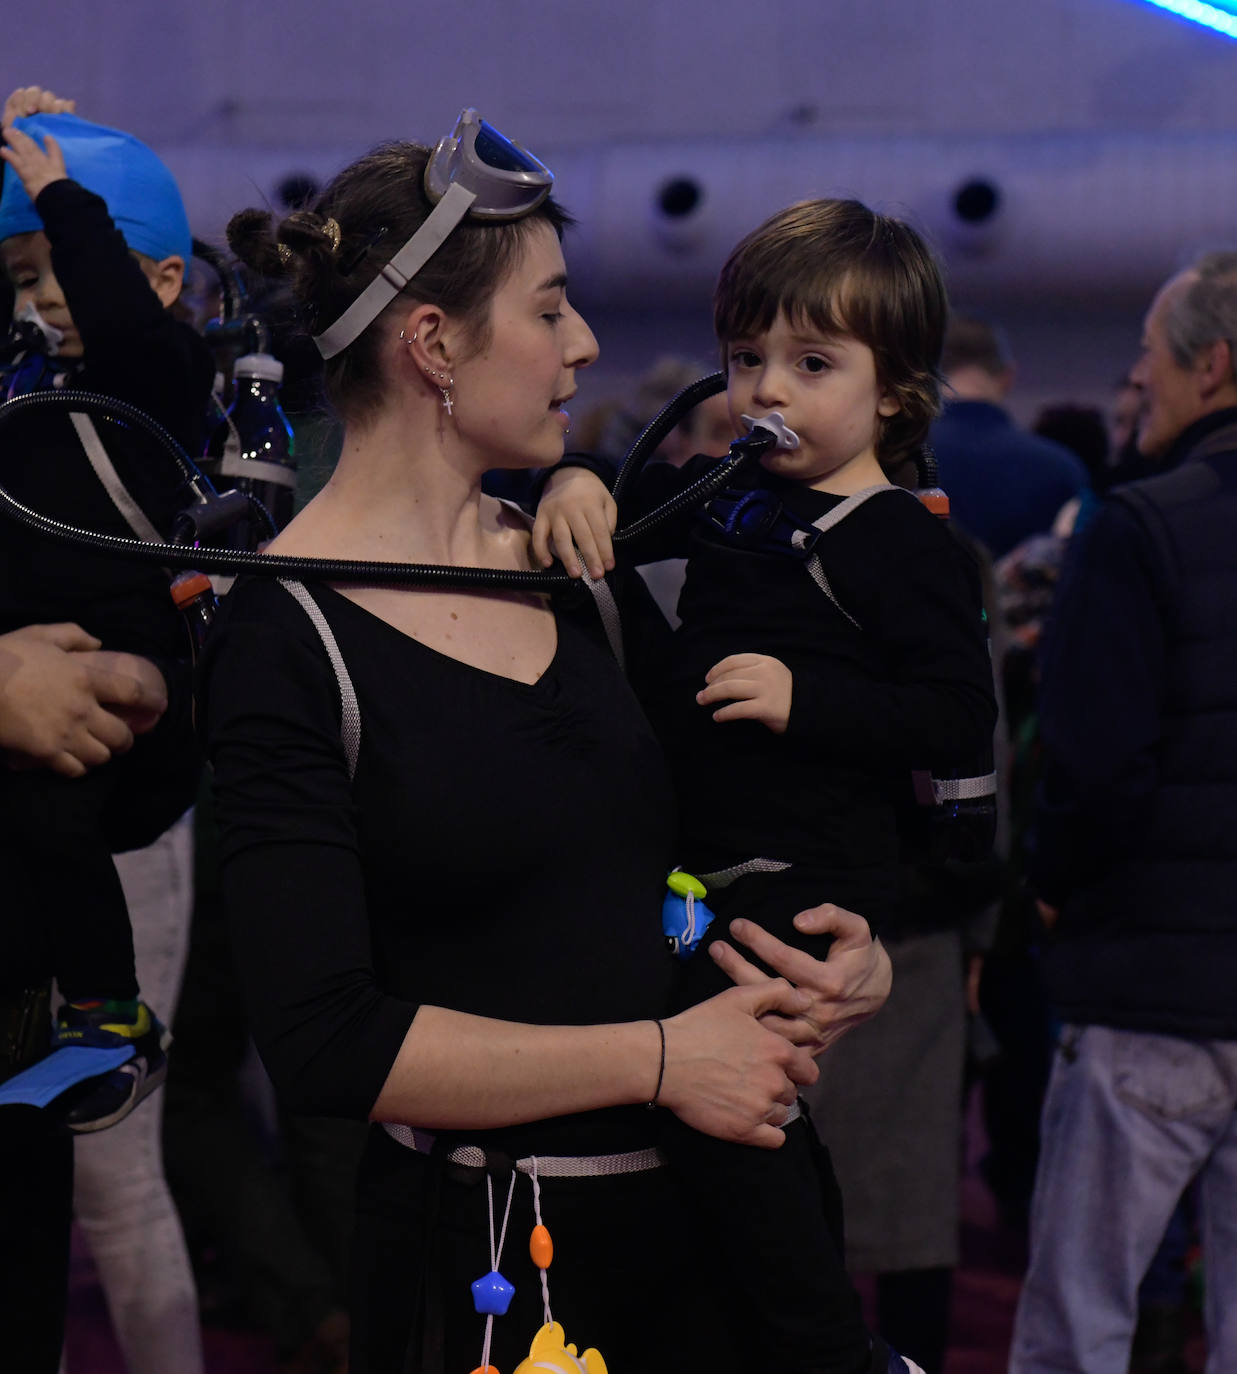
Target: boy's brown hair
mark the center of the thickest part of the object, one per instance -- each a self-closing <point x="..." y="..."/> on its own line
<point x="843" y="269"/>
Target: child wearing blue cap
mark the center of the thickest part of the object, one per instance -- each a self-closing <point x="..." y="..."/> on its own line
<point x="93" y="242"/>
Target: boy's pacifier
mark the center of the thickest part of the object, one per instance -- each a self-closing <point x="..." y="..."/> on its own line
<point x="775" y="423"/>
<point x="684" y="916"/>
<point x="51" y="337"/>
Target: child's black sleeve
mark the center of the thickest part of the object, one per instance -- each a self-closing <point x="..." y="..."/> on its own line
<point x="919" y="596"/>
<point x="134" y="348"/>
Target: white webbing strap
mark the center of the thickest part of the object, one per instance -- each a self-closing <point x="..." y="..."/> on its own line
<point x="851" y="503"/>
<point x="607" y="609"/>
<point x="405" y="265"/>
<point x="818" y="576"/>
<point x="134" y="516"/>
<point x="963" y="789"/>
<point x="547" y="1166"/>
<point x="603" y="597"/>
<point x="256" y="469"/>
<point x="827" y="522"/>
<point x="349" y="710"/>
<point x="725" y="876"/>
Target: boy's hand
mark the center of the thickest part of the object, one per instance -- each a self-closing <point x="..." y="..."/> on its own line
<point x="847" y="987"/>
<point x="575" y="508"/>
<point x="758" y="688"/>
<point x="35" y="167"/>
<point x="30" y="100"/>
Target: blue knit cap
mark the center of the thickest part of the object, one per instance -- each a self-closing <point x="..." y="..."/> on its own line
<point x="140" y="192"/>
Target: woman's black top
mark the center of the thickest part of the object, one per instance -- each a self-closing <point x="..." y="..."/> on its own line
<point x="502" y="849"/>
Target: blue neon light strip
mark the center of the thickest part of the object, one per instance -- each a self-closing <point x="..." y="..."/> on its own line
<point x="1220" y="15"/>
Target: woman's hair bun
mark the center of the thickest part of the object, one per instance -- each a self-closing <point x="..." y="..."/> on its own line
<point x="251" y="238"/>
<point x="302" y="245"/>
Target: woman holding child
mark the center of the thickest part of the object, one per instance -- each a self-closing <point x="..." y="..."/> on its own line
<point x="445" y="891"/>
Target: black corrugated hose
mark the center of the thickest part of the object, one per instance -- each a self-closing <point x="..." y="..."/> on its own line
<point x="210" y="510"/>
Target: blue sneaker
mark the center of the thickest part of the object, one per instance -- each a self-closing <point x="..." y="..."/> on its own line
<point x="102" y="1101"/>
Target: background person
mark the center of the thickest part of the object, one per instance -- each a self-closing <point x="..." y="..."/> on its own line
<point x="1133" y="863"/>
<point x="1003" y="483"/>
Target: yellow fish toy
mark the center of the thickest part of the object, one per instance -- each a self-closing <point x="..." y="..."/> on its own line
<point x="550" y="1353"/>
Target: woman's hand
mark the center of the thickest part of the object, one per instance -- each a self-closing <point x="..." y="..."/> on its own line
<point x="728" y="1075"/>
<point x="575" y="509"/>
<point x="847" y="987"/>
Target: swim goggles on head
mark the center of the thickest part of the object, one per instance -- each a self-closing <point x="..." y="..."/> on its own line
<point x="475" y="170"/>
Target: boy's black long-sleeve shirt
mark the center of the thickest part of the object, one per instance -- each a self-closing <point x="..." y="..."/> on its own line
<point x="908" y="687"/>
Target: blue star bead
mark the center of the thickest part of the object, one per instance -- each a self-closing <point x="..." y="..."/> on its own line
<point x="492" y="1295"/>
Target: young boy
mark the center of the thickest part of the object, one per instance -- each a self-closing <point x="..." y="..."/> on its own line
<point x="93" y="242"/>
<point x="811" y="673"/>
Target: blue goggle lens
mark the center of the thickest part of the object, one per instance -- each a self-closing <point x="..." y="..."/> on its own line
<point x="500" y="153"/>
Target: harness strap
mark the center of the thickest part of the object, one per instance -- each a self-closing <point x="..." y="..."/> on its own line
<point x="964" y="789"/>
<point x="607" y="609"/>
<point x="545" y="1166"/>
<point x="134" y="516"/>
<point x="817" y="574"/>
<point x="349" y="710"/>
<point x="725" y="876"/>
<point x="258" y="469"/>
<point x="852" y="503"/>
<point x="826" y="522"/>
<point x="929" y="791"/>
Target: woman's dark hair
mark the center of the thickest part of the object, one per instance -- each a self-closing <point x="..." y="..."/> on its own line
<point x="843" y="269"/>
<point x="378" y="203"/>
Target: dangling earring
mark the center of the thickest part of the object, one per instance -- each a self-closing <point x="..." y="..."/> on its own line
<point x="447" y="391"/>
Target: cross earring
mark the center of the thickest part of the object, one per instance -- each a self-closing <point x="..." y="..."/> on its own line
<point x="447" y="392"/>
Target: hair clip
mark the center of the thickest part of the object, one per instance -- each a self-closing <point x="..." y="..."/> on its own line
<point x="351" y="261"/>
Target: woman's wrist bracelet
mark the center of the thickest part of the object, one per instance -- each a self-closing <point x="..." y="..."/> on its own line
<point x="661" y="1067"/>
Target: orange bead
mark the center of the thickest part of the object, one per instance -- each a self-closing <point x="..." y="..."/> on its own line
<point x="541" y="1247"/>
<point x="485" y="1369"/>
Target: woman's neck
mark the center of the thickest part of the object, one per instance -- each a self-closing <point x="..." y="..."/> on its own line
<point x="400" y="493"/>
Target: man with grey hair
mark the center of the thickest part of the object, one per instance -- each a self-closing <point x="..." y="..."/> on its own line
<point x="1136" y="863"/>
<point x="1004" y="484"/>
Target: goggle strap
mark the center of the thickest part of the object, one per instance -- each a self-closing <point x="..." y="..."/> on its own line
<point x="398" y="272"/>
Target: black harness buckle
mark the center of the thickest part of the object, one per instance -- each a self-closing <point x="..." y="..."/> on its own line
<point x="758" y="521"/>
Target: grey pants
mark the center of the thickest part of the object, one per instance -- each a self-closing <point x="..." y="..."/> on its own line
<point x="1129" y="1120"/>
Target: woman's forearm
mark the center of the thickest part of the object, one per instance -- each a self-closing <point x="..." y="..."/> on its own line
<point x="723" y="1073"/>
<point x="459" y="1071"/>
